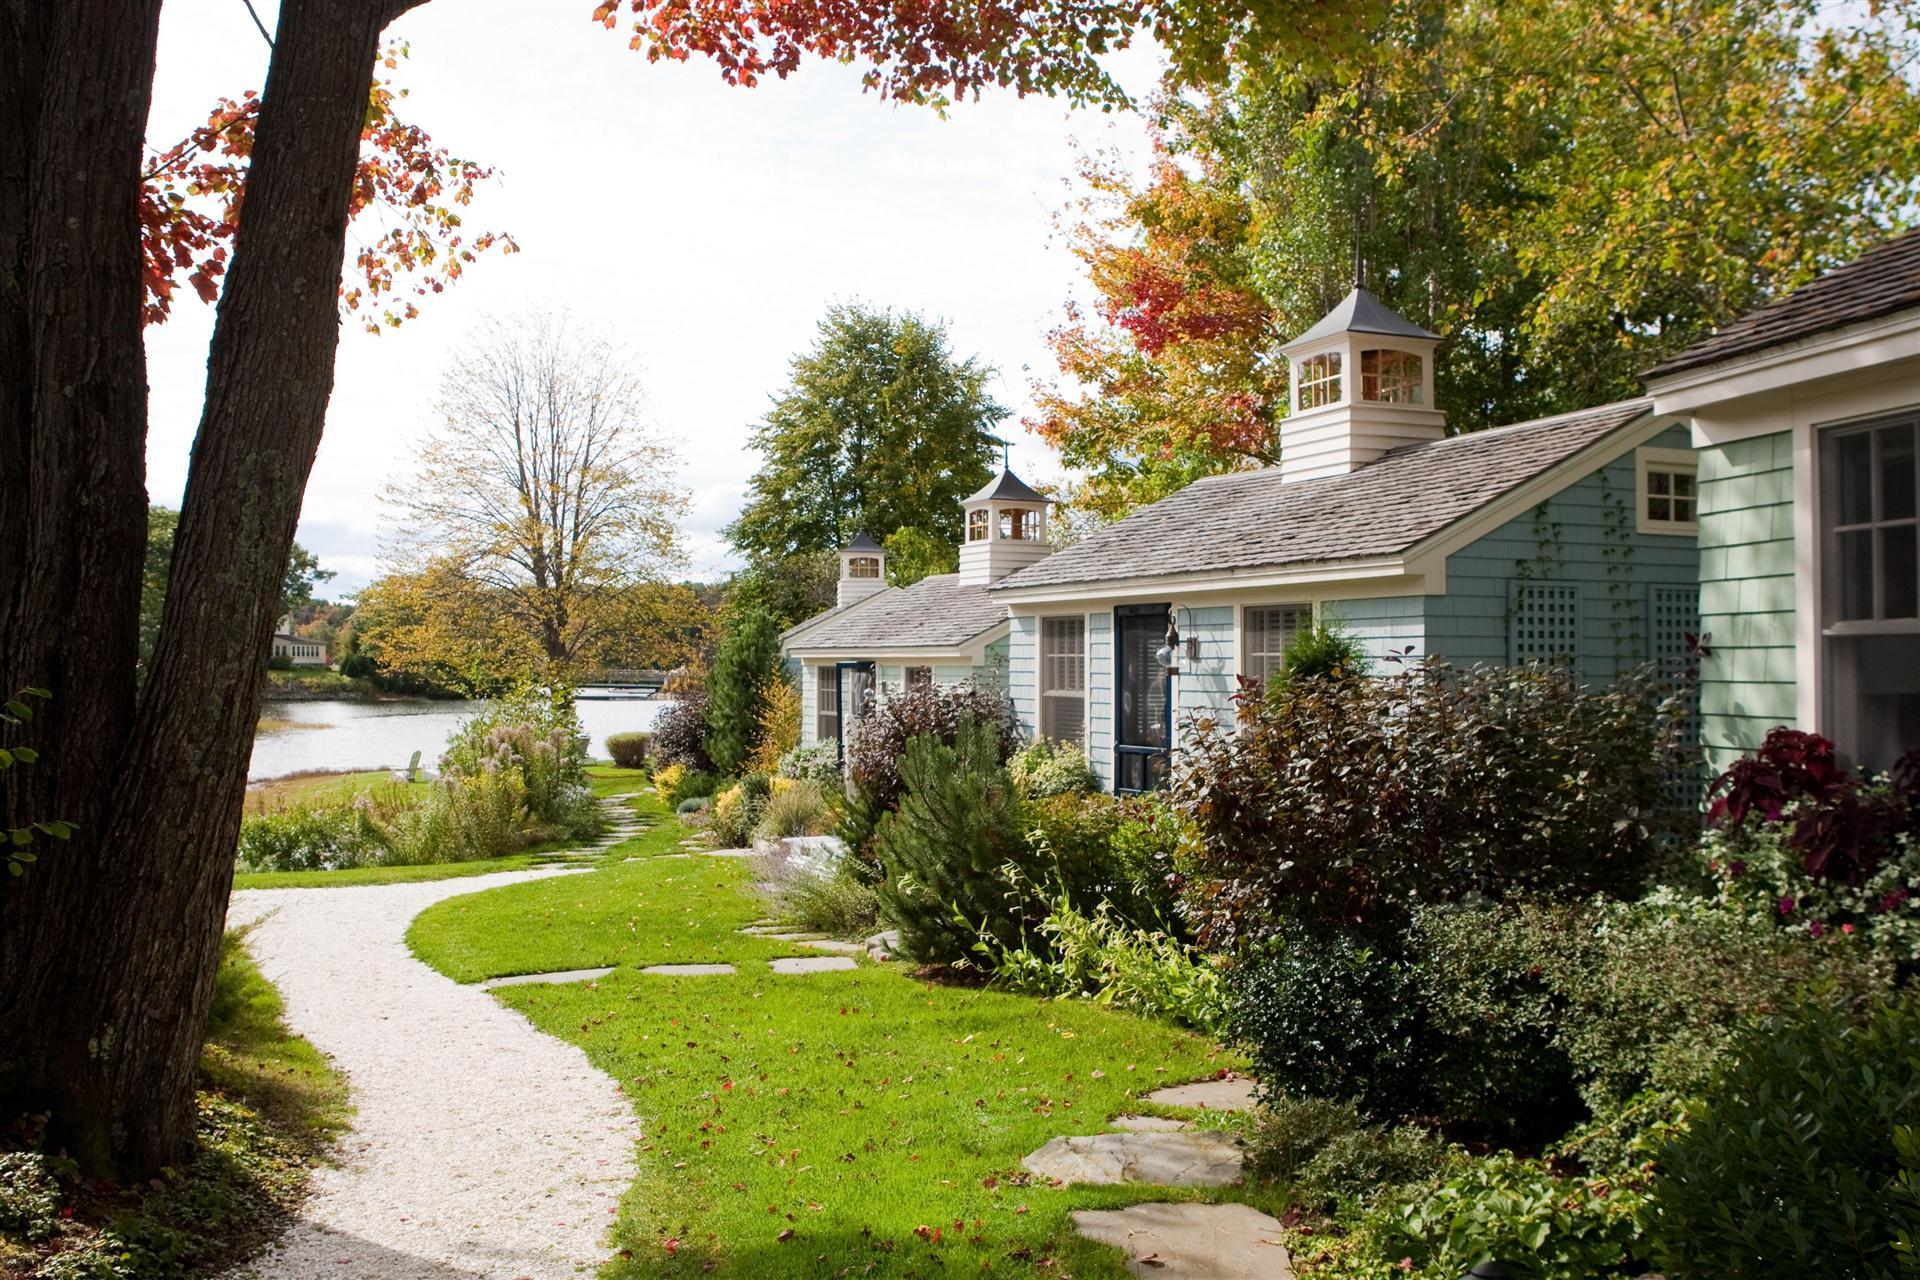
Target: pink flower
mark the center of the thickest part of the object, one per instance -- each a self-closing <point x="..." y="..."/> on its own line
<point x="1815" y="928"/>
<point x="1847" y="928"/>
<point x="1786" y="906"/>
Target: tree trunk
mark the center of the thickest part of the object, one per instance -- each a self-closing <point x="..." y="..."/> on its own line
<point x="108" y="947"/>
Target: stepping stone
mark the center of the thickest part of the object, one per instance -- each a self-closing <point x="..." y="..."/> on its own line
<point x="1234" y="1093"/>
<point x="834" y="945"/>
<point x="563" y="975"/>
<point x="1150" y="1124"/>
<point x="688" y="970"/>
<point x="1165" y="1159"/>
<point x="768" y="931"/>
<point x="1192" y="1241"/>
<point x="788" y="935"/>
<point x="810" y="964"/>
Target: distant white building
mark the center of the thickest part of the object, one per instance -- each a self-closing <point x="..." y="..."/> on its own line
<point x="301" y="653"/>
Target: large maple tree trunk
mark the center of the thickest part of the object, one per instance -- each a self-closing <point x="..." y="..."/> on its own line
<point x="108" y="946"/>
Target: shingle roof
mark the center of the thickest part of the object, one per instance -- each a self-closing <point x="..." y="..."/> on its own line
<point x="1251" y="520"/>
<point x="1881" y="281"/>
<point x="934" y="613"/>
<point x="1008" y="488"/>
<point x="1361" y="312"/>
<point x="862" y="542"/>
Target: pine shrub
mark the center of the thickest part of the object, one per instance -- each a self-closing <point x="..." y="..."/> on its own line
<point x="947" y="847"/>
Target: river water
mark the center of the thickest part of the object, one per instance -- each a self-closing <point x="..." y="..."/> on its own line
<point x="384" y="735"/>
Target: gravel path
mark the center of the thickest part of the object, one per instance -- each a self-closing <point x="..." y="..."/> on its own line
<point x="481" y="1149"/>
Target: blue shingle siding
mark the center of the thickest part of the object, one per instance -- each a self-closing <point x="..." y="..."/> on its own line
<point x="1100" y="696"/>
<point x="1583" y="537"/>
<point x="1748" y="681"/>
<point x="1021" y="638"/>
<point x="1205" y="684"/>
<point x="1385" y="626"/>
<point x="808" y="693"/>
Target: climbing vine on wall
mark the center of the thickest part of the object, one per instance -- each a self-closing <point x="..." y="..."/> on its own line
<point x="1616" y="554"/>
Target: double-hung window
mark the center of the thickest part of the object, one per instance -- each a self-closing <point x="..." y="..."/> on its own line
<point x="826" y="704"/>
<point x="1265" y="633"/>
<point x="1063" y="679"/>
<point x="1870" y="579"/>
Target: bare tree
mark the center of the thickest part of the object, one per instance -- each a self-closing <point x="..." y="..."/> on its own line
<point x="543" y="488"/>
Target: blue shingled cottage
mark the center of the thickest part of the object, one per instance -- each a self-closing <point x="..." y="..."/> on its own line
<point x="1569" y="538"/>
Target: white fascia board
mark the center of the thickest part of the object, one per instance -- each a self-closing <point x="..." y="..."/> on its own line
<point x="1429" y="557"/>
<point x="1362" y="575"/>
<point x="1880" y="341"/>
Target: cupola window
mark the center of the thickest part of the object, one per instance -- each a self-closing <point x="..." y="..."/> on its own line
<point x="1390" y="377"/>
<point x="1320" y="380"/>
<point x="976" y="526"/>
<point x="863" y="566"/>
<point x="1020" y="526"/>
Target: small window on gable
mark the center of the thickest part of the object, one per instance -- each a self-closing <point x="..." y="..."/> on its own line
<point x="1319" y="380"/>
<point x="1668" y="494"/>
<point x="976" y="526"/>
<point x="863" y="566"/>
<point x="1390" y="377"/>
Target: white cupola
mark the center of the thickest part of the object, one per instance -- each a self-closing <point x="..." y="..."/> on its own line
<point x="1362" y="384"/>
<point x="863" y="571"/>
<point x="1006" y="530"/>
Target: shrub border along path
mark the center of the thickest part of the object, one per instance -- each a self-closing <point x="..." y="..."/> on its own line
<point x="857" y="1122"/>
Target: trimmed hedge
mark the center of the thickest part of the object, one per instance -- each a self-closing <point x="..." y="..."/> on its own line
<point x="629" y="750"/>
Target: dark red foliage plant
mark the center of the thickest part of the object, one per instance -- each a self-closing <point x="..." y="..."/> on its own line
<point x="1842" y="828"/>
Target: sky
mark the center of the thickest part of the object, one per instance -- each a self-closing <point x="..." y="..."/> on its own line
<point x="706" y="228"/>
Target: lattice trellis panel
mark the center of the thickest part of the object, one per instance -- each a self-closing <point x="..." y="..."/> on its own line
<point x="1544" y="623"/>
<point x="1673" y="614"/>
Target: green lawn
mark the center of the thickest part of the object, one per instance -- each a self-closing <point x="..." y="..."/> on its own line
<point x="858" y="1123"/>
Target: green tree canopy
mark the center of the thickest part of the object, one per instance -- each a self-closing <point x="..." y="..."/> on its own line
<point x="881" y="428"/>
<point x="1566" y="192"/>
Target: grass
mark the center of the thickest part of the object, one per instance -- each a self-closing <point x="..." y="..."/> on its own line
<point x="857" y="1123"/>
<point x="269" y="1108"/>
<point x="319" y="787"/>
<point x="607" y="781"/>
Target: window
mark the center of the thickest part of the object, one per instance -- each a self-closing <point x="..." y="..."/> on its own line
<point x="863" y="567"/>
<point x="1020" y="526"/>
<point x="1391" y="377"/>
<point x="1319" y="380"/>
<point x="1063" y="679"/>
<point x="919" y="677"/>
<point x="1669" y="494"/>
<point x="1267" y="630"/>
<point x="826" y="704"/>
<point x="1872" y="568"/>
<point x="1543" y="622"/>
<point x="977" y="526"/>
<point x="1870" y="575"/>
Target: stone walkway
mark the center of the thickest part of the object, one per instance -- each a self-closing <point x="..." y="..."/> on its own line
<point x="1166" y="1240"/>
<point x="480" y="1148"/>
